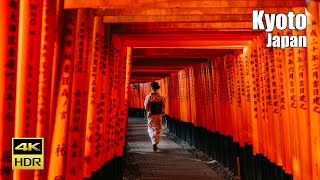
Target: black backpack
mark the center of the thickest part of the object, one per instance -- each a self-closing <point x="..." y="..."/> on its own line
<point x="156" y="108"/>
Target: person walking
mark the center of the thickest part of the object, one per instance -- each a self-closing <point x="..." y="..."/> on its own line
<point x="155" y="105"/>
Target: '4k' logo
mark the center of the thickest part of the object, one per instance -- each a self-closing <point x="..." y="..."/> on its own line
<point x="27" y="147"/>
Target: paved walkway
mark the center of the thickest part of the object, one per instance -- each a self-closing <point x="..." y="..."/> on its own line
<point x="170" y="162"/>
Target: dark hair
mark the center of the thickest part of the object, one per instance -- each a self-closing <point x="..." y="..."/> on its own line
<point x="155" y="85"/>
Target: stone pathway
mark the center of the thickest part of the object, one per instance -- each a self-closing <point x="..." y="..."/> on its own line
<point x="170" y="162"/>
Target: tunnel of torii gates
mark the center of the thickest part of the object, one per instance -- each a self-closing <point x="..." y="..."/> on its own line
<point x="70" y="70"/>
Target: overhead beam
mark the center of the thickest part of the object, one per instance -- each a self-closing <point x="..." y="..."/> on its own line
<point x="147" y="77"/>
<point x="123" y="30"/>
<point x="230" y="44"/>
<point x="190" y="27"/>
<point x="176" y="67"/>
<point x="168" y="60"/>
<point x="218" y="25"/>
<point x="178" y="53"/>
<point x="158" y="70"/>
<point x="191" y="36"/>
<point x="178" y="18"/>
<point x="186" y="11"/>
<point x="141" y="81"/>
<point x="119" y="4"/>
<point x="149" y="73"/>
<point x="170" y="64"/>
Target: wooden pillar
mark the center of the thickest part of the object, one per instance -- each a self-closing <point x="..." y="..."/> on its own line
<point x="247" y="99"/>
<point x="302" y="97"/>
<point x="30" y="16"/>
<point x="9" y="15"/>
<point x="122" y="111"/>
<point x="59" y="138"/>
<point x="313" y="33"/>
<point x="252" y="52"/>
<point x="79" y="97"/>
<point x="127" y="87"/>
<point x="283" y="102"/>
<point x="45" y="72"/>
<point x="94" y="87"/>
<point x="57" y="51"/>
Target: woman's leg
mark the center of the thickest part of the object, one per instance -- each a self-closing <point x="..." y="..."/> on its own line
<point x="152" y="129"/>
<point x="155" y="128"/>
<point x="158" y="129"/>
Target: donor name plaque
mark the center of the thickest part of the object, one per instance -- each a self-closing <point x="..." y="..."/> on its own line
<point x="281" y="22"/>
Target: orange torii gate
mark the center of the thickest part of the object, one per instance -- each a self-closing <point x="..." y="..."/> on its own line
<point x="273" y="85"/>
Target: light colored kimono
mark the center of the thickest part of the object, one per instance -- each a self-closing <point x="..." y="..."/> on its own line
<point x="154" y="121"/>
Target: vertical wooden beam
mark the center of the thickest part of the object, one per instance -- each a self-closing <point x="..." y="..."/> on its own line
<point x="57" y="51"/>
<point x="45" y="78"/>
<point x="303" y="106"/>
<point x="313" y="33"/>
<point x="94" y="87"/>
<point x="28" y="73"/>
<point x="58" y="152"/>
<point x="9" y="15"/>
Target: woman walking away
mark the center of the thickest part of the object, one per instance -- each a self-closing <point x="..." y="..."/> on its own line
<point x="154" y="105"/>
